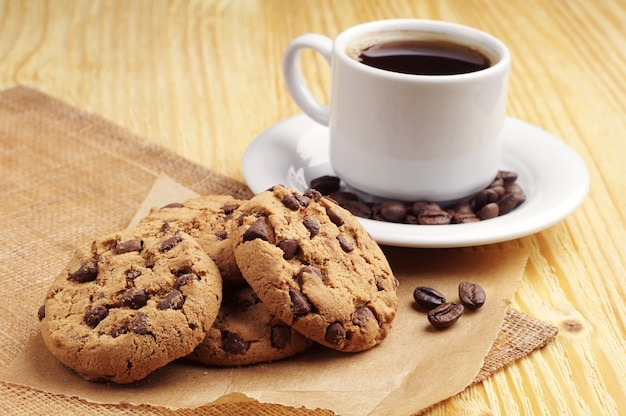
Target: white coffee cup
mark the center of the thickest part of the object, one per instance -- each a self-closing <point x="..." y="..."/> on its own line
<point x="406" y="136"/>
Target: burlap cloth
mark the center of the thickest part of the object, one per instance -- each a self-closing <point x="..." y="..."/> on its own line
<point x="66" y="176"/>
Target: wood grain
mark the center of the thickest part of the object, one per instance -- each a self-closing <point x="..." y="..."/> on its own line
<point x="203" y="78"/>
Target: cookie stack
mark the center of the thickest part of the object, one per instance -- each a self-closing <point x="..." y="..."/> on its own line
<point x="223" y="282"/>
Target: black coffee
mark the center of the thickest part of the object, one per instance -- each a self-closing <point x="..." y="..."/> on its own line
<point x="424" y="57"/>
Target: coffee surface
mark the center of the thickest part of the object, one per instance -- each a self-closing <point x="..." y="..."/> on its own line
<point x="424" y="57"/>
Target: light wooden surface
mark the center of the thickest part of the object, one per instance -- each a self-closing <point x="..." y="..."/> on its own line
<point x="203" y="78"/>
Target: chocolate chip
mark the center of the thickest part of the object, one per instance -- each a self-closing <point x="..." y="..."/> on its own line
<point x="172" y="300"/>
<point x="221" y="234"/>
<point x="170" y="243"/>
<point x="346" y="245"/>
<point x="291" y="202"/>
<point x="257" y="229"/>
<point x="335" y="333"/>
<point x="311" y="270"/>
<point x="313" y="194"/>
<point x="118" y="330"/>
<point x="361" y="316"/>
<point x="334" y="217"/>
<point x="41" y="312"/>
<point x="87" y="272"/>
<point x="300" y="304"/>
<point x="303" y="200"/>
<point x="229" y="208"/>
<point x="132" y="274"/>
<point x="128" y="246"/>
<point x="173" y="205"/>
<point x="380" y="283"/>
<point x="233" y="343"/>
<point x="289" y="248"/>
<point x="93" y="316"/>
<point x="280" y="336"/>
<point x="312" y="225"/>
<point x="184" y="279"/>
<point x="135" y="298"/>
<point x="140" y="324"/>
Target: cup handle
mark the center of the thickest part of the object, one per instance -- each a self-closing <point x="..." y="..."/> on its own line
<point x="296" y="84"/>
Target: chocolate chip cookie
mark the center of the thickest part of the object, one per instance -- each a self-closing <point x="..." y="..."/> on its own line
<point x="245" y="332"/>
<point x="206" y="219"/>
<point x="316" y="268"/>
<point x="130" y="303"/>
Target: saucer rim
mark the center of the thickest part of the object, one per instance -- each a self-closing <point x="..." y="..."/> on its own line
<point x="529" y="218"/>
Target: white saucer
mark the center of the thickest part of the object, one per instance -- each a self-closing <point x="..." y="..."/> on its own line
<point x="553" y="177"/>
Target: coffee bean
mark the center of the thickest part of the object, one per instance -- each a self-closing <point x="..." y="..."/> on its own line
<point x="464" y="218"/>
<point x="428" y="298"/>
<point x="491" y="210"/>
<point x="393" y="211"/>
<point x="421" y="206"/>
<point x="472" y="295"/>
<point x="507" y="203"/>
<point x="326" y="184"/>
<point x="342" y="196"/>
<point x="445" y="315"/>
<point x="433" y="217"/>
<point x="426" y="212"/>
<point x="357" y="208"/>
<point x="507" y="176"/>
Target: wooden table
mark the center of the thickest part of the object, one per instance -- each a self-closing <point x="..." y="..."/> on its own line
<point x="203" y="78"/>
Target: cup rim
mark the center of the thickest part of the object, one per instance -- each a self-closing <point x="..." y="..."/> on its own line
<point x="454" y="31"/>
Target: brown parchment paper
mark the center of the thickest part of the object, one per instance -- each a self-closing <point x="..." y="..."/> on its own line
<point x="415" y="367"/>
